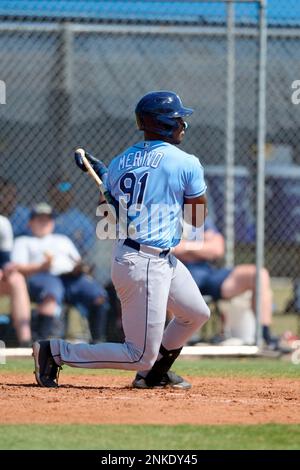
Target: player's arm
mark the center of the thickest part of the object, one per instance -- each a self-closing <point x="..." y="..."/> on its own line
<point x="195" y="210"/>
<point x="101" y="199"/>
<point x="102" y="172"/>
<point x="195" y="202"/>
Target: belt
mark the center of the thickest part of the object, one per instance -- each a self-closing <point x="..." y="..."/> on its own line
<point x="146" y="248"/>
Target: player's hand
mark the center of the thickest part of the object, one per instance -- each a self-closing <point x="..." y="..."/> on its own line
<point x="97" y="165"/>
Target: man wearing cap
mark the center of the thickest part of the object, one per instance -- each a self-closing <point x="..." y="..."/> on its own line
<point x="52" y="266"/>
<point x="70" y="221"/>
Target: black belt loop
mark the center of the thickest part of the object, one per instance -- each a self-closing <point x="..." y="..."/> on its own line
<point x="164" y="253"/>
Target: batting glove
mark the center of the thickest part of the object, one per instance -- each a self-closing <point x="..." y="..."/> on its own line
<point x="97" y="165"/>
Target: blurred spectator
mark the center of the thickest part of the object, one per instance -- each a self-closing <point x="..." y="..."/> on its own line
<point x="55" y="274"/>
<point x="70" y="221"/>
<point x="221" y="283"/>
<point x="17" y="214"/>
<point x="8" y="196"/>
<point x="13" y="285"/>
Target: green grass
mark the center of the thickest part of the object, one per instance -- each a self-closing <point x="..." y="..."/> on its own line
<point x="214" y="367"/>
<point x="288" y="322"/>
<point x="111" y="437"/>
<point x="161" y="437"/>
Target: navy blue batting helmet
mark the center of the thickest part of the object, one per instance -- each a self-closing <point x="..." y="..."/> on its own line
<point x="157" y="112"/>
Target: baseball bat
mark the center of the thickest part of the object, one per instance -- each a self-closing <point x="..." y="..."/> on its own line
<point x="97" y="179"/>
<point x="91" y="171"/>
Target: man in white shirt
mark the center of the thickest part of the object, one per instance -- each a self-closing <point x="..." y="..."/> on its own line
<point x="12" y="284"/>
<point x="53" y="268"/>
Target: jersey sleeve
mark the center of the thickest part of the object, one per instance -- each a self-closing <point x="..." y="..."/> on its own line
<point x="194" y="183"/>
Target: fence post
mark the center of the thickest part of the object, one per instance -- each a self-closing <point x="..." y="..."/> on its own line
<point x="230" y="135"/>
<point x="260" y="192"/>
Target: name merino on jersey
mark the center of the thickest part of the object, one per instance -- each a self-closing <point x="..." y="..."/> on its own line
<point x="150" y="180"/>
<point x="140" y="159"/>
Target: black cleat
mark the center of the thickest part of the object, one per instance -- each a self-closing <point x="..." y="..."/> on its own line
<point x="170" y="379"/>
<point x="46" y="370"/>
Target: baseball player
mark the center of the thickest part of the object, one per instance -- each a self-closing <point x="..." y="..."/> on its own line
<point x="153" y="179"/>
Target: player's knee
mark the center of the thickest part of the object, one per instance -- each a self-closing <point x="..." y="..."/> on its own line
<point x="142" y="358"/>
<point x="206" y="312"/>
<point x="201" y="315"/>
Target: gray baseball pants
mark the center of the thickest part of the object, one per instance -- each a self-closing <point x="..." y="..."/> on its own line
<point x="148" y="284"/>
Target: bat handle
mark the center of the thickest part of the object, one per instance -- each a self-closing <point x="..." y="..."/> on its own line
<point x="91" y="171"/>
<point x="99" y="182"/>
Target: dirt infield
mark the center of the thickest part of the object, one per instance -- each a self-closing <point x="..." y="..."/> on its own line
<point x="111" y="400"/>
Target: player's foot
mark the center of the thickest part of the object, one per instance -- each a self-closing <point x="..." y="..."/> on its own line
<point x="170" y="379"/>
<point x="46" y="369"/>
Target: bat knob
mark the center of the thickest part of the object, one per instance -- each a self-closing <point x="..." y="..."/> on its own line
<point x="80" y="156"/>
<point x="80" y="151"/>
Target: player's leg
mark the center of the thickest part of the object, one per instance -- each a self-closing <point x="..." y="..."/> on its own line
<point x="241" y="279"/>
<point x="188" y="307"/>
<point x="15" y="287"/>
<point x="142" y="283"/>
<point x="190" y="313"/>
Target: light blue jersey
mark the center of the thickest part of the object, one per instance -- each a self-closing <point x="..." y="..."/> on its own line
<point x="151" y="179"/>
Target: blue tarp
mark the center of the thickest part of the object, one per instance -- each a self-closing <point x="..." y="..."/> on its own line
<point x="283" y="12"/>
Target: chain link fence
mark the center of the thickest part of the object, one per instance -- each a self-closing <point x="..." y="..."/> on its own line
<point x="73" y="74"/>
